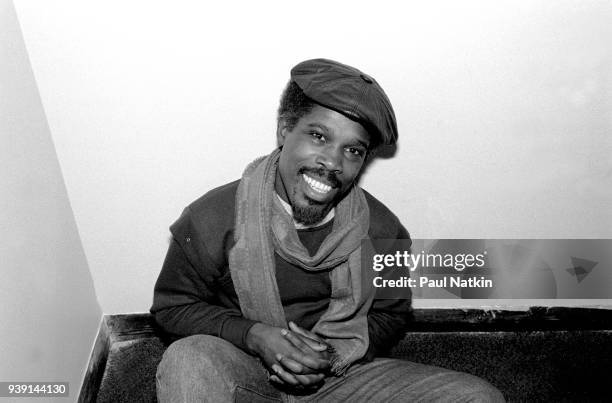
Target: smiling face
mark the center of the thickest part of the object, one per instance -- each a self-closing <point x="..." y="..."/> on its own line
<point x="320" y="159"/>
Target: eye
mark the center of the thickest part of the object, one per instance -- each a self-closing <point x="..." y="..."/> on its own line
<point x="317" y="137"/>
<point x="356" y="151"/>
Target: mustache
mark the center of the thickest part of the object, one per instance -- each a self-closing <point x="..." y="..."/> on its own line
<point x="329" y="176"/>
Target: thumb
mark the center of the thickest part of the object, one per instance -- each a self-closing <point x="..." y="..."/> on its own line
<point x="312" y="340"/>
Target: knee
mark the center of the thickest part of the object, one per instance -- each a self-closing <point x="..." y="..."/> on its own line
<point x="209" y="369"/>
<point x="199" y="354"/>
<point x="189" y="367"/>
<point x="474" y="389"/>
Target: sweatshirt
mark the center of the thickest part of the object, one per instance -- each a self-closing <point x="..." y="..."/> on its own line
<point x="194" y="293"/>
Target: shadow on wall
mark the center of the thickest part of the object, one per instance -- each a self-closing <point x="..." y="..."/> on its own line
<point x="50" y="314"/>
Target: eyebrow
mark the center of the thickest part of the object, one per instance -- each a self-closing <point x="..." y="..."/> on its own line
<point x="326" y="129"/>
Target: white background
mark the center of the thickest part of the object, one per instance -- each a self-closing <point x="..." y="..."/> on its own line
<point x="504" y="112"/>
<point x="49" y="315"/>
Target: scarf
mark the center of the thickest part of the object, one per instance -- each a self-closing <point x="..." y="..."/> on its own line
<point x="263" y="227"/>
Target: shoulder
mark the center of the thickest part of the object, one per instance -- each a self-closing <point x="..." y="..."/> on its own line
<point x="215" y="207"/>
<point x="208" y="222"/>
<point x="383" y="223"/>
<point x="217" y="204"/>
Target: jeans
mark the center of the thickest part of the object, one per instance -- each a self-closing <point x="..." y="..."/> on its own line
<point x="209" y="369"/>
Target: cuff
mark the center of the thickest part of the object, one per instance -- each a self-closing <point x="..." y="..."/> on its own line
<point x="235" y="329"/>
<point x="370" y="354"/>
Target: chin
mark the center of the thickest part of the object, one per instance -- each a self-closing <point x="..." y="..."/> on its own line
<point x="310" y="212"/>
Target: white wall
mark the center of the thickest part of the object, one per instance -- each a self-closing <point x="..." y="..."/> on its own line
<point x="49" y="314"/>
<point x="504" y="109"/>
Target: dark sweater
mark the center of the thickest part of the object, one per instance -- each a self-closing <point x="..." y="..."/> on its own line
<point x="194" y="293"/>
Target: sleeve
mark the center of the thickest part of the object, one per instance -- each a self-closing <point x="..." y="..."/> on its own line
<point x="185" y="300"/>
<point x="388" y="319"/>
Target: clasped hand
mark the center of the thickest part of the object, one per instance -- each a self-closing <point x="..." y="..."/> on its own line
<point x="296" y="356"/>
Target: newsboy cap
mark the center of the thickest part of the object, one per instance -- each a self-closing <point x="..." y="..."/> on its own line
<point x="350" y="92"/>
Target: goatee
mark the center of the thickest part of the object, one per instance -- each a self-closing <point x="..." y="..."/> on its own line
<point x="312" y="213"/>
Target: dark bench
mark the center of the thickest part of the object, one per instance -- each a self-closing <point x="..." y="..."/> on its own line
<point x="542" y="354"/>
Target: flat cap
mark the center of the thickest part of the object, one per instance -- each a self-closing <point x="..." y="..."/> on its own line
<point x="350" y="92"/>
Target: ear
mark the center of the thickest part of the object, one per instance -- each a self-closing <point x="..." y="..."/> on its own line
<point x="281" y="133"/>
<point x="370" y="155"/>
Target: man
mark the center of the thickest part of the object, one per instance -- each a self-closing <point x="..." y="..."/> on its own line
<point x="264" y="274"/>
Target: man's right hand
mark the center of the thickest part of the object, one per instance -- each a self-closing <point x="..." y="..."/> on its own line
<point x="293" y="358"/>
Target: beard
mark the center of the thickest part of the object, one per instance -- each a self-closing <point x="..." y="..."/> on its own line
<point x="312" y="213"/>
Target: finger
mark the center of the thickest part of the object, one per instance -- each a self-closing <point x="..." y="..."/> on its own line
<point x="305" y="380"/>
<point x="309" y="359"/>
<point x="304" y="343"/>
<point x="310" y="380"/>
<point x="295" y="340"/>
<point x="291" y="365"/>
<point x="312" y="340"/>
<point x="297" y="368"/>
<point x="276" y="379"/>
<point x="305" y="332"/>
<point x="284" y="375"/>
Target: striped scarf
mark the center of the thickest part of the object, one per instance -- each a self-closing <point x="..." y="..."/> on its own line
<point x="263" y="228"/>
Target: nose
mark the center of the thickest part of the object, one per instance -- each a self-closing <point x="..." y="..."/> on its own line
<point x="330" y="158"/>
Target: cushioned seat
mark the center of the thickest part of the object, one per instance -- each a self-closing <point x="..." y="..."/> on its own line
<point x="556" y="354"/>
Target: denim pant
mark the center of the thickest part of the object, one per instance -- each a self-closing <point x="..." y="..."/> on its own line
<point x="209" y="369"/>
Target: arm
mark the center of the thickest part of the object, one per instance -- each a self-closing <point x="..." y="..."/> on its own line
<point x="388" y="318"/>
<point x="387" y="323"/>
<point x="185" y="301"/>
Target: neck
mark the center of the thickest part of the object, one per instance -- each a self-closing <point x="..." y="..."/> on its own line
<point x="298" y="225"/>
<point x="280" y="188"/>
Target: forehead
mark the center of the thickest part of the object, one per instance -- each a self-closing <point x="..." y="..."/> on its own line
<point x="335" y="124"/>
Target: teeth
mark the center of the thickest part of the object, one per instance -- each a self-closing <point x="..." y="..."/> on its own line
<point x="316" y="185"/>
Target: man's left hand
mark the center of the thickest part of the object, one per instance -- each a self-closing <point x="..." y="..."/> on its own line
<point x="308" y="343"/>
